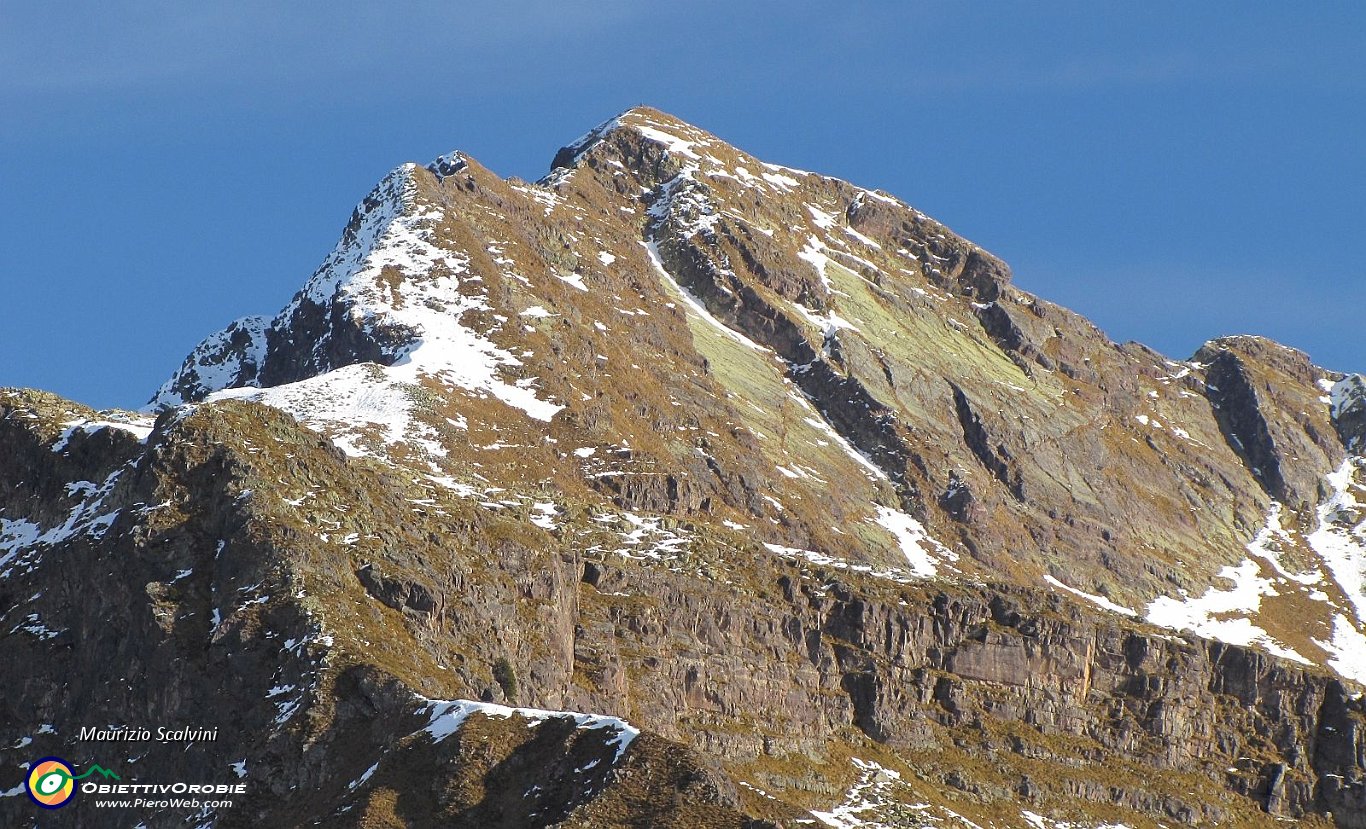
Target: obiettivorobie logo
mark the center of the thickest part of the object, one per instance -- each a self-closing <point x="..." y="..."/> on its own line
<point x="51" y="781"/>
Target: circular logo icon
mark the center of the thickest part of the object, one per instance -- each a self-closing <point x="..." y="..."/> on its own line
<point x="51" y="783"/>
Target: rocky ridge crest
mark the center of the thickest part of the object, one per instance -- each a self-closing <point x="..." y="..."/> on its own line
<point x="775" y="467"/>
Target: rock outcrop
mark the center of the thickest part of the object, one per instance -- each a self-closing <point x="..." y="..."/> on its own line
<point x="682" y="489"/>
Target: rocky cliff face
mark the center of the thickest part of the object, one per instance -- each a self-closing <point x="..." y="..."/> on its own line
<point x="767" y="498"/>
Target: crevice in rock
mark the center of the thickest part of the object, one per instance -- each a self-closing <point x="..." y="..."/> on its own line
<point x="996" y="460"/>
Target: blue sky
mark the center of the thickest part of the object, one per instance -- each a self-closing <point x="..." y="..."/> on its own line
<point x="1174" y="171"/>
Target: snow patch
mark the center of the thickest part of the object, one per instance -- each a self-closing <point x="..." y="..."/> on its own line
<point x="812" y="253"/>
<point x="1347" y="649"/>
<point x="847" y="447"/>
<point x="139" y="427"/>
<point x="1340" y="539"/>
<point x="229" y="357"/>
<point x="573" y="280"/>
<point x="20" y="539"/>
<point x="448" y="715"/>
<point x="392" y="232"/>
<point x="830" y="323"/>
<point x="895" y="574"/>
<point x="347" y="403"/>
<point x="1091" y="597"/>
<point x="913" y="540"/>
<point x="864" y="801"/>
<point x="1037" y="821"/>
<point x="360" y="781"/>
<point x="545" y="515"/>
<point x="1201" y="615"/>
<point x="694" y="304"/>
<point x="781" y="181"/>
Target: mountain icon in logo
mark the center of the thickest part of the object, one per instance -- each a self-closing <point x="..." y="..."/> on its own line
<point x="51" y="782"/>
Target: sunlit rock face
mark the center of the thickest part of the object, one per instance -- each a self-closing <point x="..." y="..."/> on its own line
<point x="685" y="489"/>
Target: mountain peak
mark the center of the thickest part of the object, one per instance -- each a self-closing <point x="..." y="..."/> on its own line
<point x="448" y="164"/>
<point x="394" y="293"/>
<point x="513" y="442"/>
<point x="663" y="282"/>
<point x="641" y="122"/>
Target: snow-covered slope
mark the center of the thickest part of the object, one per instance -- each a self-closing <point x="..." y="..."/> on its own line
<point x="391" y="288"/>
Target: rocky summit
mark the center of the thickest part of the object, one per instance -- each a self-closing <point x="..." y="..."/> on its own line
<point x="683" y="489"/>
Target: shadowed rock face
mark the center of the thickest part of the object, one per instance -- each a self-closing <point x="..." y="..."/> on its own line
<point x="774" y="467"/>
<point x="1349" y="407"/>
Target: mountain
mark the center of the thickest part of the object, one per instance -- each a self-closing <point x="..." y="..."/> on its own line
<point x="683" y="489"/>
